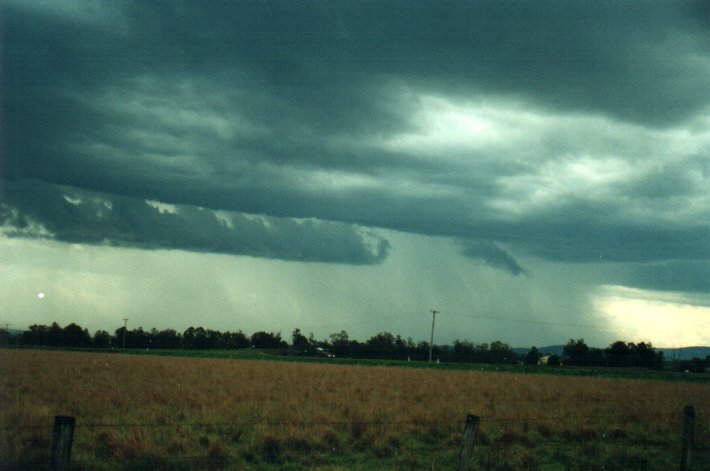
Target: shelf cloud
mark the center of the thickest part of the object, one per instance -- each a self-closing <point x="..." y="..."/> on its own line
<point x="65" y="214"/>
<point x="522" y="132"/>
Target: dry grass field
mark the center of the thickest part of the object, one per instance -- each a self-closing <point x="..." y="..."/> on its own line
<point x="150" y="412"/>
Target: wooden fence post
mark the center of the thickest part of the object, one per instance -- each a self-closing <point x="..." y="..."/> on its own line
<point x="688" y="425"/>
<point x="62" y="436"/>
<point x="469" y="438"/>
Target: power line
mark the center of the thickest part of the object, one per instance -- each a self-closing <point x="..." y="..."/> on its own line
<point x="404" y="317"/>
<point x="525" y="321"/>
<point x="431" y="342"/>
<point x="125" y="328"/>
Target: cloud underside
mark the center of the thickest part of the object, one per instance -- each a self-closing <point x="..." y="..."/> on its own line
<point x="490" y="254"/>
<point x="547" y="129"/>
<point x="68" y="214"/>
<point x="72" y="215"/>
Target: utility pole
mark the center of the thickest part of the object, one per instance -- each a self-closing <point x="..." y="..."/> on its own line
<point x="125" y="327"/>
<point x="431" y="342"/>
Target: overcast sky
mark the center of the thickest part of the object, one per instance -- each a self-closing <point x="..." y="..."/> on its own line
<point x="536" y="171"/>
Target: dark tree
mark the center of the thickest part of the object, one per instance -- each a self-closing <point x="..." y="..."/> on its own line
<point x="195" y="338"/>
<point x="167" y="338"/>
<point x="299" y="341"/>
<point x="468" y="352"/>
<point x="4" y="337"/>
<point x="381" y="345"/>
<point x="463" y="351"/>
<point x="404" y="348"/>
<point x="121" y="336"/>
<point x="267" y="340"/>
<point x="596" y="357"/>
<point x="235" y="340"/>
<point x="340" y="344"/>
<point x="139" y="338"/>
<point x="619" y="354"/>
<point x="421" y="352"/>
<point x="532" y="357"/>
<point x="482" y="353"/>
<point x="576" y="352"/>
<point x="36" y="335"/>
<point x="101" y="339"/>
<point x="213" y="339"/>
<point x="200" y="338"/>
<point x="502" y="353"/>
<point x="74" y="336"/>
<point x="54" y="335"/>
<point x="634" y="355"/>
<point x="646" y="356"/>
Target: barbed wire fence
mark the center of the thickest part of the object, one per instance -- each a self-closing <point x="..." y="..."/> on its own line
<point x="679" y="451"/>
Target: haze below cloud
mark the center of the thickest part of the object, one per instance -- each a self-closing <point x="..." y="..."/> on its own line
<point x="533" y="169"/>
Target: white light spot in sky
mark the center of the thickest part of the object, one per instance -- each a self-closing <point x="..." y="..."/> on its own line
<point x="40" y="295"/>
<point x="639" y="315"/>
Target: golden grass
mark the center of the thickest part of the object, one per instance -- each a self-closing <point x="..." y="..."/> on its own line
<point x="228" y="412"/>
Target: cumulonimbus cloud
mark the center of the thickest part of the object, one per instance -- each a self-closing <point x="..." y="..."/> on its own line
<point x="576" y="144"/>
<point x="490" y="254"/>
<point x="67" y="214"/>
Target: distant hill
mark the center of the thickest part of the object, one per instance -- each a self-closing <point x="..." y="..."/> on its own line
<point x="684" y="353"/>
<point x="669" y="354"/>
<point x="549" y="350"/>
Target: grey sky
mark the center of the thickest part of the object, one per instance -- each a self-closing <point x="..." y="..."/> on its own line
<point x="529" y="137"/>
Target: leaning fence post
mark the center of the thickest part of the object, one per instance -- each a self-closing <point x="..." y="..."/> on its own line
<point x="62" y="436"/>
<point x="688" y="424"/>
<point x="469" y="437"/>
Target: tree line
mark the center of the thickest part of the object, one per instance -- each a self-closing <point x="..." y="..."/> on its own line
<point x="383" y="345"/>
<point x="618" y="354"/>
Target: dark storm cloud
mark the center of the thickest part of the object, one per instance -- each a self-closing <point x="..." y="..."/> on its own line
<point x="580" y="232"/>
<point x="330" y="112"/>
<point x="490" y="254"/>
<point x="71" y="215"/>
<point x="688" y="276"/>
<point x="619" y="58"/>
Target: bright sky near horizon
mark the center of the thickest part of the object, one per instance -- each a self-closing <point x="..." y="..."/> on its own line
<point x="535" y="171"/>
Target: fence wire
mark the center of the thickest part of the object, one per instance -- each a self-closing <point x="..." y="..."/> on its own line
<point x="376" y="423"/>
<point x="570" y="444"/>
